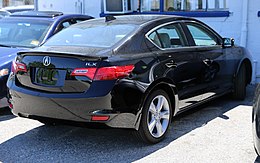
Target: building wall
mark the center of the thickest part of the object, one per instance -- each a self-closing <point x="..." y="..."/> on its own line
<point x="253" y="42"/>
<point x="89" y="7"/>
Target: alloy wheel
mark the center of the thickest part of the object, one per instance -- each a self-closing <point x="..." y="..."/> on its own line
<point x="158" y="116"/>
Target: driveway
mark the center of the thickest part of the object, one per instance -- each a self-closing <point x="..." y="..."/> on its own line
<point x="219" y="131"/>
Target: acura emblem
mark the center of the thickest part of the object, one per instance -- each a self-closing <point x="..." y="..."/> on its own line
<point x="46" y="61"/>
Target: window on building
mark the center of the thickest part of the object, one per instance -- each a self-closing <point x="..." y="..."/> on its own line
<point x="150" y="5"/>
<point x="195" y="5"/>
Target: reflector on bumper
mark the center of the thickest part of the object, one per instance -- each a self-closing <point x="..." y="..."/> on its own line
<point x="99" y="118"/>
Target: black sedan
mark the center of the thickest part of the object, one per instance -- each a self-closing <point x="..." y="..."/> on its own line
<point x="134" y="72"/>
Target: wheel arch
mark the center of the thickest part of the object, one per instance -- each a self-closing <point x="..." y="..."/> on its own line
<point x="169" y="87"/>
<point x="249" y="69"/>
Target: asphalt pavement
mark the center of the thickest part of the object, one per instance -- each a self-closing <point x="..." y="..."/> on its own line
<point x="219" y="131"/>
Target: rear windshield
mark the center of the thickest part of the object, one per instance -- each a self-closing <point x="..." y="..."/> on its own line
<point x="91" y="35"/>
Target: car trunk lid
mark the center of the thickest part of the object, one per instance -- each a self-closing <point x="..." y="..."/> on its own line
<point x="53" y="71"/>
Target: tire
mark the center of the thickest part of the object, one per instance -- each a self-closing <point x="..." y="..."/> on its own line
<point x="255" y="119"/>
<point x="239" y="92"/>
<point x="157" y="115"/>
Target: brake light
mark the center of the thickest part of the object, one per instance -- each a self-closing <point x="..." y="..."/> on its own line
<point x="18" y="67"/>
<point x="104" y="73"/>
<point x="99" y="118"/>
<point x="115" y="72"/>
<point x="10" y="105"/>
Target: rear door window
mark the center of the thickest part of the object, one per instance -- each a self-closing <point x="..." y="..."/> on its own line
<point x="168" y="36"/>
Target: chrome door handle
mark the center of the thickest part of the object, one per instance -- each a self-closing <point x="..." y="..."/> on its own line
<point x="207" y="61"/>
<point x="171" y="65"/>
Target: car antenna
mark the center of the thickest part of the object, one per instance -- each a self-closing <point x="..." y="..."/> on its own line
<point x="110" y="18"/>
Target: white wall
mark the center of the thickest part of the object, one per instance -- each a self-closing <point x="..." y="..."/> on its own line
<point x="89" y="7"/>
<point x="253" y="43"/>
<point x="93" y="7"/>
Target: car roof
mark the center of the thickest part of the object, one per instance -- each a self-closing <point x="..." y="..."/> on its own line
<point x="38" y="14"/>
<point x="4" y="13"/>
<point x="44" y="15"/>
<point x="135" y="19"/>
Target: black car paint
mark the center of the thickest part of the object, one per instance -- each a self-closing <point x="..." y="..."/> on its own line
<point x="190" y="75"/>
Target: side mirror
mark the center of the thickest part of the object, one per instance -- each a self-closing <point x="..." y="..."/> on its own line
<point x="228" y="42"/>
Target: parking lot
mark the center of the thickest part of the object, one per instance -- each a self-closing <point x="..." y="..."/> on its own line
<point x="219" y="131"/>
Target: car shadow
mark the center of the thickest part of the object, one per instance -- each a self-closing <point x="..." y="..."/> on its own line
<point x="75" y="144"/>
<point x="5" y="114"/>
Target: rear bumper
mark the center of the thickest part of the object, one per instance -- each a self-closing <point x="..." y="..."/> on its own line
<point x="71" y="109"/>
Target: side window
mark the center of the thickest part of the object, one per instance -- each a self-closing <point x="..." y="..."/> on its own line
<point x="201" y="37"/>
<point x="63" y="25"/>
<point x="168" y="36"/>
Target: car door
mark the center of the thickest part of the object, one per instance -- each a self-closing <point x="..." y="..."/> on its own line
<point x="215" y="72"/>
<point x="178" y="62"/>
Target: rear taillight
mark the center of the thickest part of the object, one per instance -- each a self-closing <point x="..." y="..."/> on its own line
<point x="115" y="72"/>
<point x="99" y="118"/>
<point x="10" y="105"/>
<point x="18" y="67"/>
<point x="104" y="73"/>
